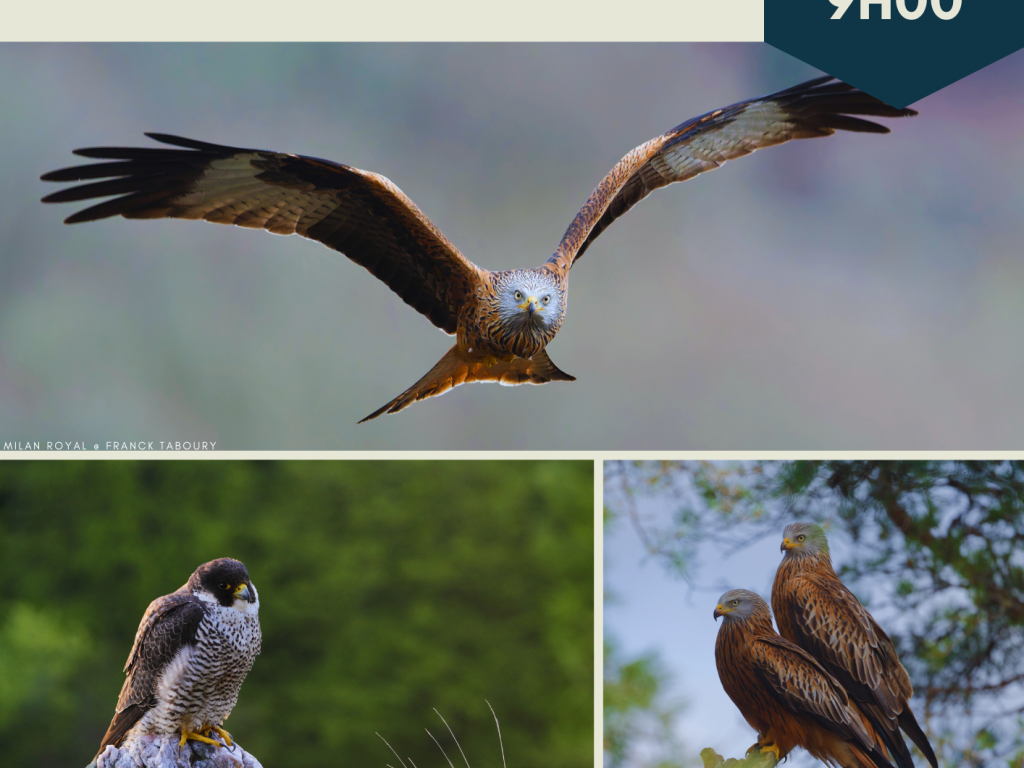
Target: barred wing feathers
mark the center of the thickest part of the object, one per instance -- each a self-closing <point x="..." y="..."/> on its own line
<point x="819" y="107"/>
<point x="360" y="214"/>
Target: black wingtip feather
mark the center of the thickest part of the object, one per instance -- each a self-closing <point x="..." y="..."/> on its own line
<point x="181" y="141"/>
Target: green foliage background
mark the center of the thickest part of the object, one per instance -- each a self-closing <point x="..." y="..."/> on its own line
<point x="386" y="588"/>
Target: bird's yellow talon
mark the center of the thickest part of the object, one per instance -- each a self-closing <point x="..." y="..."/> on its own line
<point x="224" y="735"/>
<point x="186" y="735"/>
<point x="770" y="748"/>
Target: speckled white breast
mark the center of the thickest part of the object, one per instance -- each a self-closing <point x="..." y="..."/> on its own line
<point x="200" y="686"/>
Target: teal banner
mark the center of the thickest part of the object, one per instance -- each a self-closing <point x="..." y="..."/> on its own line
<point x="897" y="50"/>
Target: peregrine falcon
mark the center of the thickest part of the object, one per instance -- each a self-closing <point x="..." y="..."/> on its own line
<point x="193" y="649"/>
<point x="502" y="321"/>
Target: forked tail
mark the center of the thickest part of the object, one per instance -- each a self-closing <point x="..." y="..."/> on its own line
<point x="457" y="367"/>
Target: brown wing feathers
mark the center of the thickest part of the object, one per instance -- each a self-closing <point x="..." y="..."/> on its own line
<point x="818" y="107"/>
<point x="360" y="214"/>
<point x="820" y="614"/>
<point x="169" y="623"/>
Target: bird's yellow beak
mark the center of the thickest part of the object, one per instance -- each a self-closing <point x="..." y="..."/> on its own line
<point x="531" y="305"/>
<point x="242" y="593"/>
<point x="720" y="611"/>
<point x="786" y="544"/>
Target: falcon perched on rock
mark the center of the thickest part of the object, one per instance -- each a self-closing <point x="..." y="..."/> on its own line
<point x="784" y="694"/>
<point x="502" y="321"/>
<point x="193" y="649"/>
<point x="817" y="612"/>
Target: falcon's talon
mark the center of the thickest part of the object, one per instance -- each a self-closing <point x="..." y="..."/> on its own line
<point x="765" y="749"/>
<point x="223" y="734"/>
<point x="186" y="735"/>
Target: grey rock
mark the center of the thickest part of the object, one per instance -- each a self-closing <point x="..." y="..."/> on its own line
<point x="164" y="752"/>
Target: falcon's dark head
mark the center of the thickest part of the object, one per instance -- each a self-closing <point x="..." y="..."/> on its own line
<point x="226" y="582"/>
<point x="530" y="302"/>
<point x="804" y="540"/>
<point x="741" y="605"/>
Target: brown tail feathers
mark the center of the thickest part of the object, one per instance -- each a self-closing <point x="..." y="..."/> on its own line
<point x="457" y="367"/>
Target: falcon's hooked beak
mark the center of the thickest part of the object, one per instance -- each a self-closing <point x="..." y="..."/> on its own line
<point x="720" y="611"/>
<point x="243" y="593"/>
<point x="786" y="544"/>
<point x="531" y="305"/>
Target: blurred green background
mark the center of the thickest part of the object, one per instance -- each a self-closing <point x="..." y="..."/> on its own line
<point x="386" y="589"/>
<point x="860" y="291"/>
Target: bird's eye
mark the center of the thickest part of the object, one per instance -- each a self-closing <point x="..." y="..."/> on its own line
<point x="735" y="602"/>
<point x="519" y="295"/>
<point x="800" y="538"/>
<point x="224" y="585"/>
<point x="547" y="299"/>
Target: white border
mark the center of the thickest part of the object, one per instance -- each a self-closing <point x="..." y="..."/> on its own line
<point x="395" y="21"/>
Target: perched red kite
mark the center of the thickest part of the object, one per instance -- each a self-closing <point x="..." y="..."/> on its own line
<point x="784" y="694"/>
<point x="817" y="612"/>
<point x="502" y="321"/>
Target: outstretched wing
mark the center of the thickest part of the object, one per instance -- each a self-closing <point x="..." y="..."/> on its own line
<point x="818" y="107"/>
<point x="802" y="685"/>
<point x="169" y="624"/>
<point x="361" y="214"/>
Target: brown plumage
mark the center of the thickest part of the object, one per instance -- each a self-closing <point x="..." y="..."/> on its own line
<point x="784" y="694"/>
<point x="815" y="610"/>
<point x="497" y="317"/>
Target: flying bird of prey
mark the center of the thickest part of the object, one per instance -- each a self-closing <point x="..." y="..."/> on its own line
<point x="817" y="612"/>
<point x="192" y="651"/>
<point x="784" y="694"/>
<point x="502" y="321"/>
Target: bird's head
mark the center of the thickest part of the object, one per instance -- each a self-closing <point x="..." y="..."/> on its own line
<point x="740" y="605"/>
<point x="804" y="540"/>
<point x="226" y="582"/>
<point x="530" y="299"/>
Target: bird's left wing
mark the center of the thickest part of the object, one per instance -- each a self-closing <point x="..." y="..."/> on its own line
<point x="818" y="107"/>
<point x="833" y="625"/>
<point x="361" y="214"/>
<point x="803" y="685"/>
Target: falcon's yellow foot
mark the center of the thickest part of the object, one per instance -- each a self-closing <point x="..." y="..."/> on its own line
<point x="223" y="734"/>
<point x="765" y="748"/>
<point x="186" y="735"/>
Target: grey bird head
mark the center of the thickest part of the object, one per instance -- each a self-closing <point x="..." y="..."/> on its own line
<point x="227" y="583"/>
<point x="529" y="300"/>
<point x="740" y="605"/>
<point x="804" y="540"/>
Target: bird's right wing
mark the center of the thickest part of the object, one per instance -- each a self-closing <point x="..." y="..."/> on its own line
<point x="361" y="214"/>
<point x="169" y="624"/>
<point x="818" y="107"/>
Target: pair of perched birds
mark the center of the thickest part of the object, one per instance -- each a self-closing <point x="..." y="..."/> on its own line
<point x="192" y="651"/>
<point x="829" y="680"/>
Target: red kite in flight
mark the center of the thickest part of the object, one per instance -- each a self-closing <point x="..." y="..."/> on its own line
<point x="502" y="321"/>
